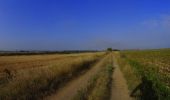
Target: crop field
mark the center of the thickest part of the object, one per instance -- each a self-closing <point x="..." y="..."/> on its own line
<point x="110" y="75"/>
<point x="32" y="61"/>
<point x="31" y="76"/>
<point x="152" y="69"/>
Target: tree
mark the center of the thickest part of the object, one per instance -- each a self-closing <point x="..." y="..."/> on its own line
<point x="109" y="49"/>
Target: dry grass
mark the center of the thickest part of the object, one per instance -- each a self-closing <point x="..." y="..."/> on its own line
<point x="32" y="61"/>
<point x="33" y="82"/>
<point x="101" y="91"/>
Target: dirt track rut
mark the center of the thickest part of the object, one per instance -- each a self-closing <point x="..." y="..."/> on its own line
<point x="119" y="87"/>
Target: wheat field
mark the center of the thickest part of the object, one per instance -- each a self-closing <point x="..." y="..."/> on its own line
<point x="28" y="77"/>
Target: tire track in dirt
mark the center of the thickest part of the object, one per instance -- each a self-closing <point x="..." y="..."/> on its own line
<point x="119" y="87"/>
<point x="70" y="89"/>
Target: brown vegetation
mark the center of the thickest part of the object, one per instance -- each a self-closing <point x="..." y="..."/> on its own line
<point x="33" y="82"/>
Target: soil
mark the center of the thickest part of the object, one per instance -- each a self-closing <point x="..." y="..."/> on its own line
<point x="119" y="87"/>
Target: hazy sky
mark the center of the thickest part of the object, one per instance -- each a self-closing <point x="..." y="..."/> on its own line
<point x="84" y="24"/>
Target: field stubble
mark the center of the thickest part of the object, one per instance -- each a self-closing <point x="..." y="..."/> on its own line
<point x="35" y="82"/>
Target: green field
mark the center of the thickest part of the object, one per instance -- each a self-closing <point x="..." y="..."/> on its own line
<point x="151" y="68"/>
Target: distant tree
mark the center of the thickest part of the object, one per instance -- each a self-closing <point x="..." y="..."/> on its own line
<point x="116" y="50"/>
<point x="109" y="49"/>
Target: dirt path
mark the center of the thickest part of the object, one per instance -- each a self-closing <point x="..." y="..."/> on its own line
<point x="119" y="87"/>
<point x="71" y="88"/>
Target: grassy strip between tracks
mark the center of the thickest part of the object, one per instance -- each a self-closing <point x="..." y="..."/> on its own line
<point x="99" y="86"/>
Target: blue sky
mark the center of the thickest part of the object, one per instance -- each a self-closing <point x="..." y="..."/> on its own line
<point x="84" y="24"/>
